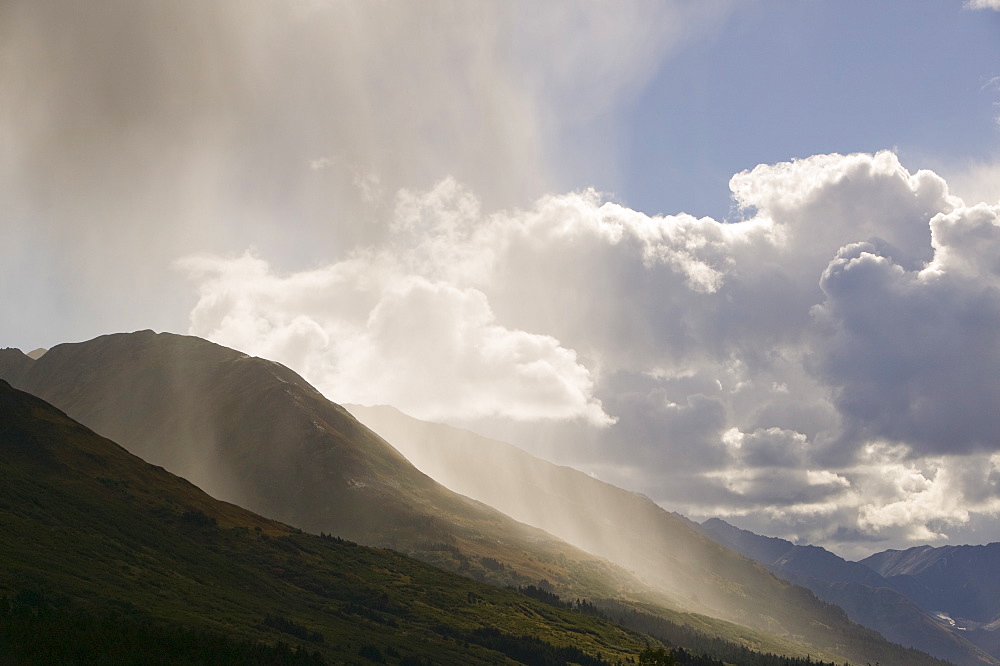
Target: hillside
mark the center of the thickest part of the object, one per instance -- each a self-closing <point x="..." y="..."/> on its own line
<point x="108" y="559"/>
<point x="14" y="364"/>
<point x="960" y="583"/>
<point x="254" y="433"/>
<point x="627" y="528"/>
<point x="866" y="596"/>
<point x="90" y="529"/>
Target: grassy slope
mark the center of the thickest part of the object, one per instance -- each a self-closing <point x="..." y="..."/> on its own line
<point x="631" y="530"/>
<point x="82" y="518"/>
<point x="255" y="433"/>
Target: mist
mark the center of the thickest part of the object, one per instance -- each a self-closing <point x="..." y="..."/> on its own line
<point x="684" y="247"/>
<point x="629" y="529"/>
<point x="136" y="133"/>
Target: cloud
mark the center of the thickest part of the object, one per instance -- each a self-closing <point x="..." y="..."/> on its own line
<point x="321" y="163"/>
<point x="770" y="447"/>
<point x="827" y="361"/>
<point x="137" y="132"/>
<point x="976" y="182"/>
<point x="982" y="4"/>
<point x="374" y="336"/>
<point x="910" y="354"/>
<point x="921" y="501"/>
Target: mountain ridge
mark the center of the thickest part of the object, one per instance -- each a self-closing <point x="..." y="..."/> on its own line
<point x="518" y="483"/>
<point x="866" y="596"/>
<point x="90" y="528"/>
<point x="959" y="582"/>
<point x="260" y="436"/>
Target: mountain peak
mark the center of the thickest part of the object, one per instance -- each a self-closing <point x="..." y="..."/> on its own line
<point x="14" y="364"/>
<point x="253" y="432"/>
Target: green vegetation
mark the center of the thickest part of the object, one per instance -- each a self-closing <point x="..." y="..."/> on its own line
<point x="34" y="630"/>
<point x="106" y="557"/>
<point x="257" y="434"/>
<point x="691" y="580"/>
<point x="87" y="524"/>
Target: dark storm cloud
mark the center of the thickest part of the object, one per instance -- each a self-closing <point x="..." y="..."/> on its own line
<point x="914" y="355"/>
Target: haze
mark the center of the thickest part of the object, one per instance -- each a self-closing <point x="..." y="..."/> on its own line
<point x="737" y="256"/>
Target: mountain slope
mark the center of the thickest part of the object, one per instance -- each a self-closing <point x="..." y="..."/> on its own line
<point x="14" y="364"/>
<point x="866" y="596"/>
<point x="254" y="433"/>
<point x="961" y="583"/>
<point x="92" y="528"/>
<point x="624" y="527"/>
<point x="964" y="580"/>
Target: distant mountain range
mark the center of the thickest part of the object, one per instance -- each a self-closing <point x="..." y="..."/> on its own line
<point x="960" y="584"/>
<point x="868" y="598"/>
<point x="256" y="434"/>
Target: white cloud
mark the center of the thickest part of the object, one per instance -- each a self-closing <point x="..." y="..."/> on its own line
<point x="982" y="4"/>
<point x="976" y="182"/>
<point x="751" y="365"/>
<point x="363" y="333"/>
<point x="773" y="447"/>
<point x="321" y="163"/>
<point x="921" y="500"/>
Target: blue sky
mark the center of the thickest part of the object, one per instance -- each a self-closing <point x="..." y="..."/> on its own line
<point x="476" y="212"/>
<point x="781" y="79"/>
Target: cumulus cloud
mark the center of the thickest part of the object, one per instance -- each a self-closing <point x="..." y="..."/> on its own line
<point x="911" y="355"/>
<point x="364" y="333"/>
<point x="828" y="361"/>
<point x="921" y="501"/>
<point x="768" y="447"/>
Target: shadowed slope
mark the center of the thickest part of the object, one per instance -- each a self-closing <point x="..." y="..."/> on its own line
<point x="94" y="529"/>
<point x="254" y="433"/>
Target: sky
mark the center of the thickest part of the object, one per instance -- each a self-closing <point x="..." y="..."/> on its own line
<point x="737" y="255"/>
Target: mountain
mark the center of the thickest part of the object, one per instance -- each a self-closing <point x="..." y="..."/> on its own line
<point x="960" y="580"/>
<point x="254" y="433"/>
<point x="107" y="559"/>
<point x="959" y="583"/>
<point x="863" y="593"/>
<point x="110" y="560"/>
<point x="625" y="527"/>
<point x="14" y="364"/>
